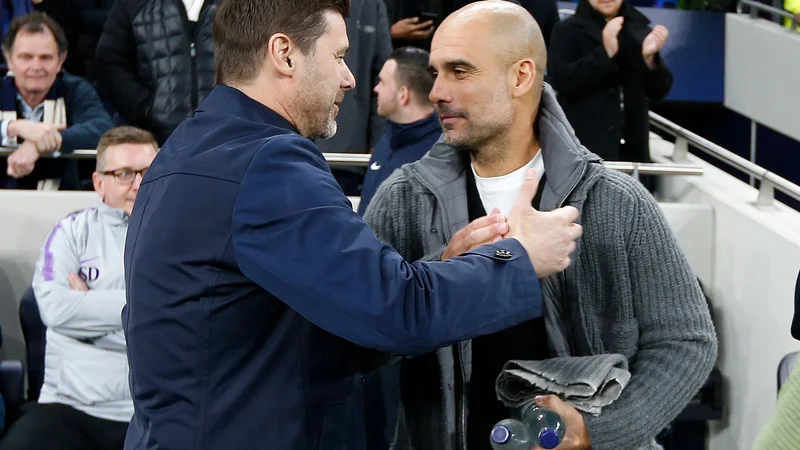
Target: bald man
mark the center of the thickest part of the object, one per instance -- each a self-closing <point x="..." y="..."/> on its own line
<point x="630" y="290"/>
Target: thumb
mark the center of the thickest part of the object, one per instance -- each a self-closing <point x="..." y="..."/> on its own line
<point x="527" y="193"/>
<point x="62" y="126"/>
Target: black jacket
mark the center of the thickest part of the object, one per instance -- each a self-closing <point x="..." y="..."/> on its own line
<point x="591" y="85"/>
<point x="154" y="65"/>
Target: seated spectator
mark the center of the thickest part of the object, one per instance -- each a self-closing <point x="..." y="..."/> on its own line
<point x="412" y="127"/>
<point x="155" y="61"/>
<point x="605" y="65"/>
<point x="79" y="283"/>
<point x="42" y="108"/>
<point x="359" y="126"/>
<point x="629" y="291"/>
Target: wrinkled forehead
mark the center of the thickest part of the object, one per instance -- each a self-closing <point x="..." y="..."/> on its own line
<point x="461" y="44"/>
<point x="38" y="42"/>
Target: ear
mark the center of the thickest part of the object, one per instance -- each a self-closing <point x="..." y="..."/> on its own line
<point x="405" y="95"/>
<point x="61" y="59"/>
<point x="523" y="77"/>
<point x="98" y="181"/>
<point x="280" y="53"/>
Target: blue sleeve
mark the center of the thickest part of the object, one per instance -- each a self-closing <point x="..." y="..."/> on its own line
<point x="88" y="118"/>
<point x="295" y="234"/>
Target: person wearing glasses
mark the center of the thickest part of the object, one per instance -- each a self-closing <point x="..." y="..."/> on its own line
<point x="79" y="283"/>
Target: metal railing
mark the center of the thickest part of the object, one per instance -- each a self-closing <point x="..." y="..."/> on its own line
<point x="362" y="160"/>
<point x="777" y="13"/>
<point x="684" y="138"/>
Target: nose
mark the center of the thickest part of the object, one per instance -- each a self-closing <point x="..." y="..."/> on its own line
<point x="137" y="181"/>
<point x="348" y="80"/>
<point x="439" y="92"/>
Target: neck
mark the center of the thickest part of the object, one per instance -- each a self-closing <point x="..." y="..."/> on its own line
<point x="411" y="113"/>
<point x="32" y="99"/>
<point x="265" y="93"/>
<point x="508" y="153"/>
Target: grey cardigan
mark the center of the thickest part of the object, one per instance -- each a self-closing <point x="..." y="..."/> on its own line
<point x="630" y="290"/>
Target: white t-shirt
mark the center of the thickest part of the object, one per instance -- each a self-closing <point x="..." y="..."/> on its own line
<point x="501" y="192"/>
<point x="193" y="8"/>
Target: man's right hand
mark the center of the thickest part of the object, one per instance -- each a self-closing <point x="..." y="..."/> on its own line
<point x="486" y="230"/>
<point x="412" y="29"/>
<point x="548" y="237"/>
<point x="47" y="137"/>
<point x="611" y="35"/>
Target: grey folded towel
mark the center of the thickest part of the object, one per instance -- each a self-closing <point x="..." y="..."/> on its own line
<point x="589" y="383"/>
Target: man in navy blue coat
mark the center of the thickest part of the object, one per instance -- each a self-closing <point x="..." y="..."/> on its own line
<point x="253" y="286"/>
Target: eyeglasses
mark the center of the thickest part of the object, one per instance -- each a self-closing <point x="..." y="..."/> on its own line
<point x="125" y="175"/>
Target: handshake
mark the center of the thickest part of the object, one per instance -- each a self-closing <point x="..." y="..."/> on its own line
<point x="548" y="237"/>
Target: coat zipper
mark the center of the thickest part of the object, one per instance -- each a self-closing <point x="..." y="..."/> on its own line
<point x="193" y="55"/>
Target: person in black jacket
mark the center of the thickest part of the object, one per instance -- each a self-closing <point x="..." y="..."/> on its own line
<point x="409" y="28"/>
<point x="156" y="61"/>
<point x="91" y="16"/>
<point x="604" y="63"/>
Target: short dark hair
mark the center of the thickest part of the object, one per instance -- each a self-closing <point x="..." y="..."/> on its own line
<point x="122" y="135"/>
<point x="35" y="22"/>
<point x="413" y="71"/>
<point x="242" y="29"/>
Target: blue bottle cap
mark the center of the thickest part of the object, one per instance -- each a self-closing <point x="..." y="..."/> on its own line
<point x="549" y="439"/>
<point x="501" y="434"/>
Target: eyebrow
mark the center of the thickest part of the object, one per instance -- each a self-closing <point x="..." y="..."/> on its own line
<point x="450" y="65"/>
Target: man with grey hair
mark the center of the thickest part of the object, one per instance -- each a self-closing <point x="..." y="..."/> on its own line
<point x="630" y="291"/>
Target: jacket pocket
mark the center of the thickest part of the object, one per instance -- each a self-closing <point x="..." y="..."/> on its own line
<point x="90" y="381"/>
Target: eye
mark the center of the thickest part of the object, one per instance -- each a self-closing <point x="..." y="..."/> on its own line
<point x="459" y="72"/>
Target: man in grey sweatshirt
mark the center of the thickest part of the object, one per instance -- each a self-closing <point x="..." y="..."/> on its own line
<point x="629" y="291"/>
<point x="85" y="402"/>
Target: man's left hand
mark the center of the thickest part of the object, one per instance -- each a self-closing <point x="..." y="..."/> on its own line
<point x="576" y="435"/>
<point x="22" y="160"/>
<point x="653" y="43"/>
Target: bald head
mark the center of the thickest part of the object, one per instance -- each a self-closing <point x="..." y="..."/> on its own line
<point x="489" y="60"/>
<point x="509" y="29"/>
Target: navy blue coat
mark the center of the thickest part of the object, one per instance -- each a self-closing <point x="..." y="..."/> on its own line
<point x="401" y="144"/>
<point x="250" y="281"/>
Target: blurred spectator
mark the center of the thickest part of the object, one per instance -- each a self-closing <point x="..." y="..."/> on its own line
<point x="605" y="65"/>
<point x="412" y="127"/>
<point x="793" y="6"/>
<point x="156" y="61"/>
<point x="91" y="16"/>
<point x="408" y="27"/>
<point x="403" y="87"/>
<point x="79" y="283"/>
<point x="43" y="108"/>
<point x="359" y="125"/>
<point x="411" y="25"/>
<point x="9" y="9"/>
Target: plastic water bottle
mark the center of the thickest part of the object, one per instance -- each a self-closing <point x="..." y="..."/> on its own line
<point x="539" y="426"/>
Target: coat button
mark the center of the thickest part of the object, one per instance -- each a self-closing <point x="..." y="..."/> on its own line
<point x="503" y="254"/>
